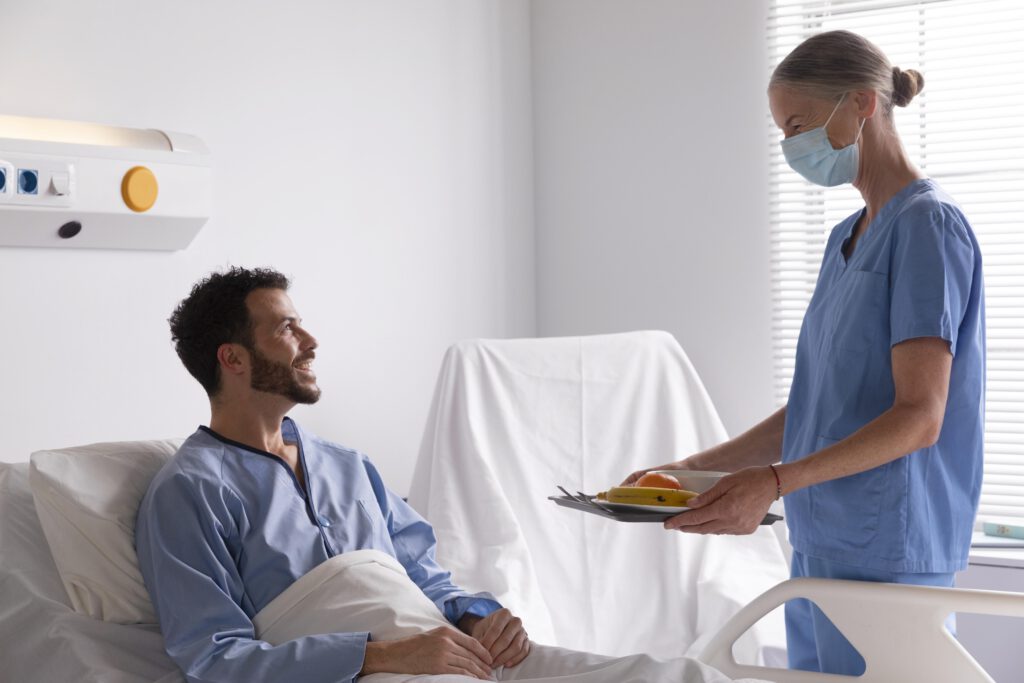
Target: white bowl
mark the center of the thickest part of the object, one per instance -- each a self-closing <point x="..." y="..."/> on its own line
<point x="694" y="480"/>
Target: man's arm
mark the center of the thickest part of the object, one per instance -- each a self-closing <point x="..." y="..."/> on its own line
<point x="190" y="571"/>
<point x="415" y="548"/>
<point x="495" y="628"/>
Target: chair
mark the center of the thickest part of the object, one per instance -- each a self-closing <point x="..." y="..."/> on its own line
<point x="510" y="420"/>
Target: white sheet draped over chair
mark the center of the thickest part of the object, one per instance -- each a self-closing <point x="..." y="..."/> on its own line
<point x="513" y="418"/>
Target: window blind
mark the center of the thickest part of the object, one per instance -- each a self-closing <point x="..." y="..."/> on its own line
<point x="965" y="130"/>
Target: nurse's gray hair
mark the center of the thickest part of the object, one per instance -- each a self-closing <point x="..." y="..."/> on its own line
<point x="829" y="64"/>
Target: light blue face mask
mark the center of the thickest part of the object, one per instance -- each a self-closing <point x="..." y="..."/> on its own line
<point x="811" y="155"/>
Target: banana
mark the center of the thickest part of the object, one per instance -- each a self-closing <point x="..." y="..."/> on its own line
<point x="646" y="495"/>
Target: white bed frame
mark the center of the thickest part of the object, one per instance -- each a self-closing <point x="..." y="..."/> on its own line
<point x="899" y="630"/>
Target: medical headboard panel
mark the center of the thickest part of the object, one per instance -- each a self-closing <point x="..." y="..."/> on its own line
<point x="65" y="184"/>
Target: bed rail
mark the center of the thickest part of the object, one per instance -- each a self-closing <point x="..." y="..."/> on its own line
<point x="898" y="629"/>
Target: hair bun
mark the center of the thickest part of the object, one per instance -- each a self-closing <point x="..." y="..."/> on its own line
<point x="905" y="85"/>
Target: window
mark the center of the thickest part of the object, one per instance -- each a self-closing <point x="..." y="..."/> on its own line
<point x="965" y="130"/>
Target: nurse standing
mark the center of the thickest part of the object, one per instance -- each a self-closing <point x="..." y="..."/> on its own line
<point x="879" y="448"/>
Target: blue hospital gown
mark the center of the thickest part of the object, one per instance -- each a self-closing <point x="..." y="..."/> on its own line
<point x="916" y="272"/>
<point x="225" y="528"/>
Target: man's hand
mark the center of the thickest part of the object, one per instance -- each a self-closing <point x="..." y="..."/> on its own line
<point x="443" y="650"/>
<point x="501" y="633"/>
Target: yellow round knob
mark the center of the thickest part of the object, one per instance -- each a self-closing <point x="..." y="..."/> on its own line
<point x="139" y="189"/>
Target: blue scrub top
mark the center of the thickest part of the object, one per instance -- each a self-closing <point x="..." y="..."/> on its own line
<point x="915" y="272"/>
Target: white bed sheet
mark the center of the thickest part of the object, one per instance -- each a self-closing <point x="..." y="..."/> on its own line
<point x="41" y="637"/>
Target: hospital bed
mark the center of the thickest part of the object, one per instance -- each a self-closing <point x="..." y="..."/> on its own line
<point x="47" y="633"/>
<point x="898" y="629"/>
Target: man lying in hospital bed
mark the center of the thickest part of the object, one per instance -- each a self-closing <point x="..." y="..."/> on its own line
<point x="271" y="554"/>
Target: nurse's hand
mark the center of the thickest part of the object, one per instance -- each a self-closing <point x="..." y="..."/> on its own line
<point x="735" y="505"/>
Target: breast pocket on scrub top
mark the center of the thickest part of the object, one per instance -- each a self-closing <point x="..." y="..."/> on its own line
<point x="861" y="311"/>
<point x="849" y="508"/>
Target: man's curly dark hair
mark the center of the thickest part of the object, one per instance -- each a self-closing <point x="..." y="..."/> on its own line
<point x="215" y="313"/>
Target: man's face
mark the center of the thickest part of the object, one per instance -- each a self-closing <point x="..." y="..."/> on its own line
<point x="283" y="351"/>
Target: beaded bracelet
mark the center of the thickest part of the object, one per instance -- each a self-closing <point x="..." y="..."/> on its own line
<point x="778" y="483"/>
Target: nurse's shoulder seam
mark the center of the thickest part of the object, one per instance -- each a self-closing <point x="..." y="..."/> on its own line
<point x="944" y="215"/>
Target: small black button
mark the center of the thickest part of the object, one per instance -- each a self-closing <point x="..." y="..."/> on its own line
<point x="70" y="229"/>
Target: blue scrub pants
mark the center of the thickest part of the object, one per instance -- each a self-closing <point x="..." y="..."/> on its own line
<point x="813" y="643"/>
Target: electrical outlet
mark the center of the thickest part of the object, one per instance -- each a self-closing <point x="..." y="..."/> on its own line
<point x="28" y="181"/>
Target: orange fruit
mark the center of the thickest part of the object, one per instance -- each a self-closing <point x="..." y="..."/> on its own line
<point x="658" y="481"/>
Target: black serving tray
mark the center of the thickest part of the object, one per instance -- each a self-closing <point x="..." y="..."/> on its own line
<point x="632" y="515"/>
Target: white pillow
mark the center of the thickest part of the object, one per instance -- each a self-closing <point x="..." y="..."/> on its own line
<point x="87" y="498"/>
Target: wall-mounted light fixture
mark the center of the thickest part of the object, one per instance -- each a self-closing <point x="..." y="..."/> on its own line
<point x="69" y="184"/>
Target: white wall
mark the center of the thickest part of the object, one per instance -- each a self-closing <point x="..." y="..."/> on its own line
<point x="380" y="152"/>
<point x="650" y="175"/>
<point x="377" y="151"/>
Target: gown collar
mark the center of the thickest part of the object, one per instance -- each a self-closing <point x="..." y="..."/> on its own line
<point x="289" y="431"/>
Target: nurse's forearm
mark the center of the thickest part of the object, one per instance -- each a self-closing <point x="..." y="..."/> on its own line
<point x="759" y="445"/>
<point x="920" y="371"/>
<point x="900" y="430"/>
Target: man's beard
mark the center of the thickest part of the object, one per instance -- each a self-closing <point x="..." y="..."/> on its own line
<point x="278" y="378"/>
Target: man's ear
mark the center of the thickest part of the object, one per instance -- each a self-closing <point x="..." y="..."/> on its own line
<point x="867" y="103"/>
<point x="232" y="358"/>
